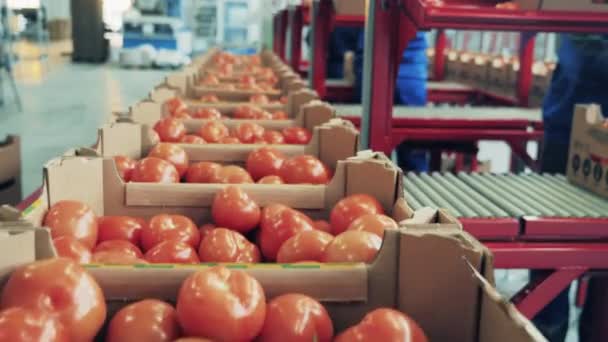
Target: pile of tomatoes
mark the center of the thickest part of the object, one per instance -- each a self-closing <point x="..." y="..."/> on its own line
<point x="56" y="300"/>
<point x="178" y="109"/>
<point x="241" y="231"/>
<point x="169" y="163"/>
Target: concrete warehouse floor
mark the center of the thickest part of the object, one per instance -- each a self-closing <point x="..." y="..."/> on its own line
<point x="65" y="103"/>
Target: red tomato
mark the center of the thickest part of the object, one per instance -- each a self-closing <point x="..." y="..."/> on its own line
<point x="225" y="245"/>
<point x="259" y="99"/>
<point x="116" y="258"/>
<point x="26" y="325"/>
<point x="125" y="166"/>
<point x="182" y="114"/>
<point x="120" y="246"/>
<point x="229" y="140"/>
<point x="173" y="154"/>
<point x="246" y="112"/>
<point x="233" y="208"/>
<point x="120" y="228"/>
<point x="210" y="80"/>
<point x="205" y="229"/>
<point x="207" y="113"/>
<point x="384" y="325"/>
<point x="279" y="115"/>
<point x="353" y="246"/>
<point x="165" y="227"/>
<point x="232" y="308"/>
<point x="351" y="208"/>
<point x="265" y="161"/>
<point x="64" y="289"/>
<point x="233" y="174"/>
<point x="271" y="180"/>
<point x="373" y="223"/>
<point x="247" y="80"/>
<point x="154" y="170"/>
<point x="170" y="129"/>
<point x="274" y="137"/>
<point x="69" y="247"/>
<point x="146" y="320"/>
<point x="297" y="135"/>
<point x="283" y="99"/>
<point x="323" y="226"/>
<point x="174" y="105"/>
<point x="213" y="131"/>
<point x="210" y="98"/>
<point x="296" y="318"/>
<point x="172" y="252"/>
<point x="277" y="225"/>
<point x="192" y="139"/>
<point x="74" y="219"/>
<point x="247" y="132"/>
<point x="263" y="115"/>
<point x="308" y="245"/>
<point x="203" y="172"/>
<point x="304" y="169"/>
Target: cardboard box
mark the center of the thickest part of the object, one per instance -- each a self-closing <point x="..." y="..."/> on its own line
<point x="564" y="5"/>
<point x="588" y="159"/>
<point x="498" y="76"/>
<point x="480" y="69"/>
<point x="10" y="170"/>
<point x="465" y="67"/>
<point x="452" y="65"/>
<point x="542" y="73"/>
<point x="349" y="7"/>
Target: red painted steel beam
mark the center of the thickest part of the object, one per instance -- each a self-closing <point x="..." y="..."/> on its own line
<point x="491" y="229"/>
<point x="526" y="59"/>
<point x="565" y="228"/>
<point x="297" y="23"/>
<point x="322" y="30"/>
<point x="439" y="65"/>
<point x="549" y="255"/>
<point x="281" y="33"/>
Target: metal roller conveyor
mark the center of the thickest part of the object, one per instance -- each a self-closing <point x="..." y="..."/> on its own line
<point x="504" y="201"/>
<point x="552" y="208"/>
<point x="437" y="200"/>
<point x="412" y="191"/>
<point x="561" y="183"/>
<point x="448" y="196"/>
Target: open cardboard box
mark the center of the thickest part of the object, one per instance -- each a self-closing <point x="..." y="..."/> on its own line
<point x="10" y="170"/>
<point x="588" y="158"/>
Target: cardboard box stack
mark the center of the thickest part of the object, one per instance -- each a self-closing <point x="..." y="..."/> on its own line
<point x="425" y="266"/>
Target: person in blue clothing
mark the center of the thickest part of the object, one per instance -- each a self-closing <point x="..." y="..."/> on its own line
<point x="580" y="77"/>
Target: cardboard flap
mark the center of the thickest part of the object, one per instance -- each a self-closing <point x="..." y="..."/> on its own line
<point x="315" y="113"/>
<point x="226" y="153"/>
<point x="146" y="112"/>
<point x="10" y="159"/>
<point x="499" y="319"/>
<point x="178" y="81"/>
<point x="8" y="213"/>
<point x="337" y="140"/>
<point x="121" y="139"/>
<point x="297" y="99"/>
<point x="162" y="93"/>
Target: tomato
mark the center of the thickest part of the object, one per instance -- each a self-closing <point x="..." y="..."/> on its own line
<point x="232" y="308"/>
<point x="277" y="225"/>
<point x="173" y="154"/>
<point x="174" y="105"/>
<point x="120" y="246"/>
<point x="297" y="135"/>
<point x="229" y="140"/>
<point x="114" y="257"/>
<point x="146" y="320"/>
<point x="225" y="245"/>
<point x="69" y="247"/>
<point x="165" y="227"/>
<point x="296" y="318"/>
<point x="26" y="325"/>
<point x="170" y="129"/>
<point x="304" y="169"/>
<point x="279" y="115"/>
<point x="246" y="112"/>
<point x="120" y="228"/>
<point x="192" y="139"/>
<point x="247" y="80"/>
<point x="203" y="172"/>
<point x="213" y="131"/>
<point x="124" y="166"/>
<point x="205" y="229"/>
<point x="322" y="225"/>
<point x="210" y="98"/>
<point x="153" y="137"/>
<point x="259" y="99"/>
<point x="308" y="245"/>
<point x="283" y="99"/>
<point x="353" y="246"/>
<point x="373" y="223"/>
<point x="274" y="137"/>
<point x="271" y="180"/>
<point x="233" y="208"/>
<point x="74" y="219"/>
<point x="154" y="170"/>
<point x="207" y="113"/>
<point x="384" y="325"/>
<point x="247" y="132"/>
<point x="182" y="114"/>
<point x="233" y="174"/>
<point x="64" y="289"/>
<point x="350" y="208"/>
<point x="265" y="161"/>
<point x="263" y="115"/>
<point x="172" y="252"/>
<point x="210" y="80"/>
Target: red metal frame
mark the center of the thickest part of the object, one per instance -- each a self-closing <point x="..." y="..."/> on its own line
<point x="439" y="60"/>
<point x="491" y="229"/>
<point x="564" y="228"/>
<point x="280" y="33"/>
<point x="297" y="21"/>
<point x="322" y="29"/>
